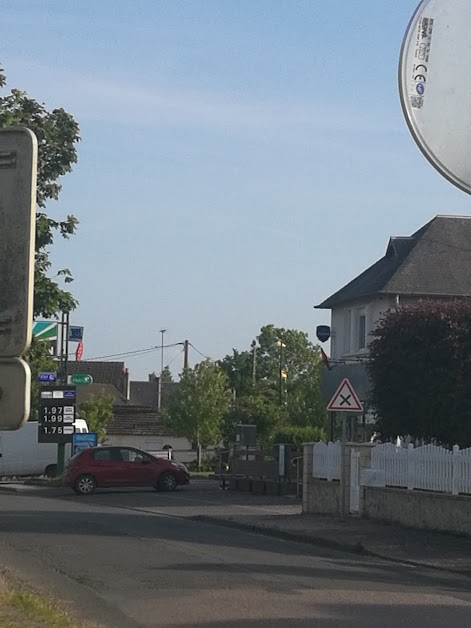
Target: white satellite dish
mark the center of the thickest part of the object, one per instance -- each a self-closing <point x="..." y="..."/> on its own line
<point x="435" y="86"/>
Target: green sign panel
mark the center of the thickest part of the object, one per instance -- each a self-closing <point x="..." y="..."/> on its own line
<point x="81" y="379"/>
<point x="45" y="330"/>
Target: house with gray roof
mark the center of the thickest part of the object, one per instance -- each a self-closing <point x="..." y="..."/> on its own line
<point x="434" y="262"/>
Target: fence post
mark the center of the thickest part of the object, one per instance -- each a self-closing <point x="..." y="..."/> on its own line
<point x="456" y="470"/>
<point x="410" y="467"/>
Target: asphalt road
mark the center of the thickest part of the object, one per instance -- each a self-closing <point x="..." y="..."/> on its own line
<point x="135" y="559"/>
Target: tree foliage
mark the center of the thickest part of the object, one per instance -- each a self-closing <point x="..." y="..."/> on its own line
<point x="420" y="370"/>
<point x="167" y="377"/>
<point x="253" y="409"/>
<point x="258" y="402"/>
<point x="40" y="360"/>
<point x="98" y="412"/>
<point x="298" y="435"/>
<point x="57" y="133"/>
<point x="196" y="409"/>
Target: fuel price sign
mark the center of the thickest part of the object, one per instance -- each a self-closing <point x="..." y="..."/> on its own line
<point x="57" y="414"/>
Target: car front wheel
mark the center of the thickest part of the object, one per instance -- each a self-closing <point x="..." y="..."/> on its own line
<point x="167" y="482"/>
<point x="85" y="485"/>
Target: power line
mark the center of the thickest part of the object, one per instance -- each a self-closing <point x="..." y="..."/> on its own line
<point x="127" y="353"/>
<point x="175" y="357"/>
<point x="206" y="357"/>
<point x="135" y="352"/>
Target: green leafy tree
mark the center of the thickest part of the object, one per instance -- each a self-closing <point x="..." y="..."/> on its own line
<point x="57" y="133"/>
<point x="97" y="410"/>
<point x="197" y="409"/>
<point x="238" y="369"/>
<point x="420" y="369"/>
<point x="297" y="435"/>
<point x="39" y="359"/>
<point x="167" y="377"/>
<point x="254" y="409"/>
<point x="272" y="401"/>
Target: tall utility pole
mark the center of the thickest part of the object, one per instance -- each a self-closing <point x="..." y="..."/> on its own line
<point x="159" y="397"/>
<point x="185" y="354"/>
<point x="254" y="361"/>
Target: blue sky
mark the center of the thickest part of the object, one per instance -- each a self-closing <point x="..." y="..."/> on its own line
<point x="240" y="161"/>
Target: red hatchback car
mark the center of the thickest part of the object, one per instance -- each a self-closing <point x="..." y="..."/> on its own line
<point x="106" y="467"/>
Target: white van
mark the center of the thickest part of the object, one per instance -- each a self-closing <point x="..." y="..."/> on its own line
<point x="21" y="454"/>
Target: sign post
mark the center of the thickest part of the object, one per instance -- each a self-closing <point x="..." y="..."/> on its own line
<point x="18" y="167"/>
<point x="56" y="419"/>
<point x="346" y="402"/>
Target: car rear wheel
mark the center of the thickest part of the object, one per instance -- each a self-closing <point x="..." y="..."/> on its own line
<point x="167" y="482"/>
<point x="85" y="485"/>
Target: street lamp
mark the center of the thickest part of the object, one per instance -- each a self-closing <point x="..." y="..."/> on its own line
<point x="283" y="374"/>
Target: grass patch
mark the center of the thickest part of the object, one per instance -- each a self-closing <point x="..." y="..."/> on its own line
<point x="22" y="608"/>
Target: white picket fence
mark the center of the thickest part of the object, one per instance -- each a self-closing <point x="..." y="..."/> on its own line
<point x="428" y="468"/>
<point x="326" y="461"/>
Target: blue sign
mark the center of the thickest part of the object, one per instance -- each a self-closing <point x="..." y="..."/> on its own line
<point x="75" y="333"/>
<point x="47" y="377"/>
<point x="84" y="441"/>
<point x="68" y="394"/>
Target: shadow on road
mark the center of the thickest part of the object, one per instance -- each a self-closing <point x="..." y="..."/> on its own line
<point x="357" y="616"/>
<point x="64" y="528"/>
<point x="195" y="492"/>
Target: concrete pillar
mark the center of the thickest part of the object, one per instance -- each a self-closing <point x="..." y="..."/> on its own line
<point x="365" y="463"/>
<point x="307" y="475"/>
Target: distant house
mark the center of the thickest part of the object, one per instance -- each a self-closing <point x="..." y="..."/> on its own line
<point x="112" y="373"/>
<point x="136" y="421"/>
<point x="137" y="426"/>
<point x="434" y="262"/>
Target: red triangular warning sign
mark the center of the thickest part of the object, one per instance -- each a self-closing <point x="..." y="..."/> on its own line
<point x="345" y="399"/>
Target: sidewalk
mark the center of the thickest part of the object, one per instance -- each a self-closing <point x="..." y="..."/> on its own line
<point x="414" y="547"/>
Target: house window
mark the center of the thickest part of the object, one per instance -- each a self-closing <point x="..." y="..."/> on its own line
<point x="361" y="331"/>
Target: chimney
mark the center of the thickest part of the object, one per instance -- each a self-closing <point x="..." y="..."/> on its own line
<point x="127" y="384"/>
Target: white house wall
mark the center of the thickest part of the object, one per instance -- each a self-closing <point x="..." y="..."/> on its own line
<point x="181" y="446"/>
<point x="345" y="324"/>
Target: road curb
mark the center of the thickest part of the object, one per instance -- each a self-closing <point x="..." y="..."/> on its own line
<point x="355" y="548"/>
<point x="34" y="490"/>
<point x="321" y="541"/>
